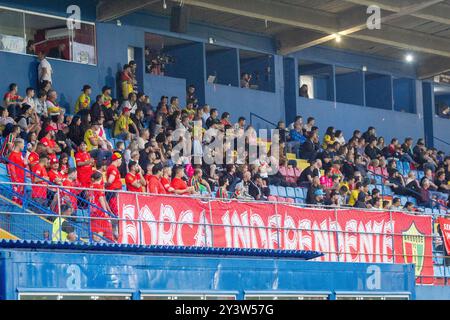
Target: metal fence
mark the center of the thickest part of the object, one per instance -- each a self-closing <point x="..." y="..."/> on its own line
<point x="56" y="220"/>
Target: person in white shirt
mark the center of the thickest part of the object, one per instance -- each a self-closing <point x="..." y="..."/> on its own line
<point x="41" y="105"/>
<point x="131" y="103"/>
<point x="29" y="99"/>
<point x="45" y="70"/>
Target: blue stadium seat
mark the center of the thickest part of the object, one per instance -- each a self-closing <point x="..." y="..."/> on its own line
<point x="290" y="192"/>
<point x="299" y="193"/>
<point x="299" y="200"/>
<point x="420" y="174"/>
<point x="371" y="187"/>
<point x="436" y="211"/>
<point x="413" y="200"/>
<point x="273" y="190"/>
<point x="403" y="200"/>
<point x="387" y="191"/>
<point x="406" y="168"/>
<point x="282" y="192"/>
<point x="428" y="211"/>
<point x="399" y="166"/>
<point x="378" y="179"/>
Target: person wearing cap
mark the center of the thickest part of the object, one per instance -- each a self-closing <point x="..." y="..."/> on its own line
<point x="122" y="126"/>
<point x="134" y="180"/>
<point x="113" y="181"/>
<point x="16" y="167"/>
<point x="100" y="209"/>
<point x="106" y="97"/>
<point x="52" y="148"/>
<point x="54" y="174"/>
<point x="40" y="181"/>
<point x="84" y="100"/>
<point x="319" y="197"/>
<point x="84" y="164"/>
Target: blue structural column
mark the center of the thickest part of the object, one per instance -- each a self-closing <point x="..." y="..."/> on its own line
<point x="290" y="88"/>
<point x="428" y="112"/>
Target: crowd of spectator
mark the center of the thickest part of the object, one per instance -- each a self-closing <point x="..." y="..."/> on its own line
<point x="125" y="142"/>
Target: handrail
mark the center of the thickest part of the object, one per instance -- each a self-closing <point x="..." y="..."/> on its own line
<point x="63" y="189"/>
<point x="440" y="140"/>
<point x="257" y="116"/>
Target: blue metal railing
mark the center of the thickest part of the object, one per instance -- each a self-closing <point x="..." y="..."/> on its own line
<point x="440" y="140"/>
<point x="35" y="206"/>
<point x="254" y="115"/>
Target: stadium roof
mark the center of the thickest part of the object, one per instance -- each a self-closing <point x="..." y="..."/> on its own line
<point x="421" y="27"/>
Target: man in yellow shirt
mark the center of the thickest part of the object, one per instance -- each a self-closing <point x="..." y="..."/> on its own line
<point x="84" y="100"/>
<point x="91" y="138"/>
<point x="122" y="126"/>
<point x="354" y="194"/>
<point x="106" y="96"/>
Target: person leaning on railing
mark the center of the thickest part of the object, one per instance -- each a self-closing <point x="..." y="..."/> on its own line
<point x="14" y="169"/>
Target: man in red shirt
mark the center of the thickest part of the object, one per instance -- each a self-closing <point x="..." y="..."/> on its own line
<point x="55" y="176"/>
<point x="69" y="183"/>
<point x="113" y="181"/>
<point x="179" y="185"/>
<point x="40" y="177"/>
<point x="134" y="180"/>
<point x="102" y="227"/>
<point x="49" y="142"/>
<point x="84" y="165"/>
<point x="14" y="168"/>
<point x="154" y="185"/>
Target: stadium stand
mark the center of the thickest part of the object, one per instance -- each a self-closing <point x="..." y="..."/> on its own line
<point x="66" y="166"/>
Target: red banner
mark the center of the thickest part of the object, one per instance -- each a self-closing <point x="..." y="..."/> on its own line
<point x="344" y="235"/>
<point x="444" y="225"/>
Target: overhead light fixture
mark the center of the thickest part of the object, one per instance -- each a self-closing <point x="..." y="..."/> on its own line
<point x="364" y="69"/>
<point x="211" y="40"/>
<point x="164" y="5"/>
<point x="119" y="23"/>
<point x="338" y="38"/>
<point x="409" y="58"/>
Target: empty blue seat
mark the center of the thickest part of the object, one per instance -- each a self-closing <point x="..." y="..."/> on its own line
<point x="420" y="174"/>
<point x="413" y="200"/>
<point x="428" y="211"/>
<point x="282" y="192"/>
<point x="406" y="168"/>
<point x="273" y="190"/>
<point x="290" y="192"/>
<point x="378" y="179"/>
<point x="300" y="201"/>
<point x="399" y="166"/>
<point x="371" y="187"/>
<point x="403" y="200"/>
<point x="299" y="193"/>
<point x="387" y="191"/>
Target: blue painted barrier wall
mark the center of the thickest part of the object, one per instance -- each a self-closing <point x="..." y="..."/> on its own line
<point x="70" y="271"/>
